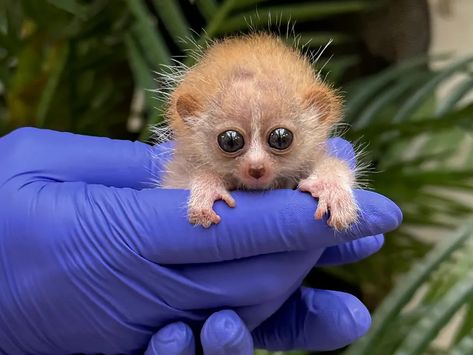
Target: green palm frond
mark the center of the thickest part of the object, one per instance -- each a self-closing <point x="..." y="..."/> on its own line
<point x="409" y="131"/>
<point x="282" y="14"/>
<point x="425" y="301"/>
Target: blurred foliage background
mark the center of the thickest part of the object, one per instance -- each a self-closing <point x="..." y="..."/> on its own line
<point x="89" y="67"/>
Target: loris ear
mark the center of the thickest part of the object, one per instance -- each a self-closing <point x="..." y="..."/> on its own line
<point x="187" y="107"/>
<point x="326" y="102"/>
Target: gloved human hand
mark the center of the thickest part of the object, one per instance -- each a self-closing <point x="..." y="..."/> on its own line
<point x="310" y="319"/>
<point x="95" y="260"/>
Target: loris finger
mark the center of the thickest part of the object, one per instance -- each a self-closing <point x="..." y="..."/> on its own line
<point x="314" y="187"/>
<point x="229" y="200"/>
<point x="203" y="216"/>
<point x="322" y="209"/>
<point x="338" y="224"/>
<point x="308" y="186"/>
<point x="342" y="217"/>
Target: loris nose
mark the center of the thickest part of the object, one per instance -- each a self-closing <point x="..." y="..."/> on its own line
<point x="256" y="172"/>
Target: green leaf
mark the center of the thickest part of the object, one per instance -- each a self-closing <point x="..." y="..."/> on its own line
<point x="337" y="67"/>
<point x="141" y="72"/>
<point x="207" y="8"/>
<point x="447" y="275"/>
<point x="466" y="328"/>
<point x="145" y="32"/>
<point x="386" y="98"/>
<point x="363" y="92"/>
<point x="299" y="12"/>
<point x="448" y="104"/>
<point x="213" y="27"/>
<point x="71" y="6"/>
<point x="13" y="20"/>
<point x="462" y="117"/>
<point x="427" y="328"/>
<point x="171" y="15"/>
<point x="242" y="4"/>
<point x="406" y="288"/>
<point x="412" y="104"/>
<point x="318" y="39"/>
<point x="58" y="65"/>
<point x="464" y="347"/>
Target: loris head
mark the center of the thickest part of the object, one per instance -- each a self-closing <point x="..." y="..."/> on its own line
<point x="257" y="131"/>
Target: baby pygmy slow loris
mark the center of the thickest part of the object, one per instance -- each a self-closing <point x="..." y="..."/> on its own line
<point x="253" y="114"/>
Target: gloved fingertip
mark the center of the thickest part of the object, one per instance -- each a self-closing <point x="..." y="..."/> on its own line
<point x="173" y="339"/>
<point x="377" y="242"/>
<point x="225" y="333"/>
<point x="352" y="251"/>
<point x="368" y="246"/>
<point x="378" y="214"/>
<point x="358" y="318"/>
<point x="363" y="318"/>
<point x="353" y="318"/>
<point x="342" y="149"/>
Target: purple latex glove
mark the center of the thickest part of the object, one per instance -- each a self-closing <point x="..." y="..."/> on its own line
<point x="310" y="320"/>
<point x="93" y="260"/>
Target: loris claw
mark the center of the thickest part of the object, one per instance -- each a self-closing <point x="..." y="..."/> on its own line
<point x="253" y="114"/>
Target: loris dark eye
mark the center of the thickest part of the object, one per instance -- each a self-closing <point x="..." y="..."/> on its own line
<point x="230" y="141"/>
<point x="280" y="138"/>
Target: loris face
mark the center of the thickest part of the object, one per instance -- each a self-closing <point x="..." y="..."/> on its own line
<point x="258" y="135"/>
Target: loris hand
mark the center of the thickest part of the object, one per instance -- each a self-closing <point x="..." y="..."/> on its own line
<point x="94" y="262"/>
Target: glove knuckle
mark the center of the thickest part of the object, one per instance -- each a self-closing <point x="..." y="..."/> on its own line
<point x="23" y="133"/>
<point x="342" y="148"/>
<point x="16" y="149"/>
<point x="19" y="142"/>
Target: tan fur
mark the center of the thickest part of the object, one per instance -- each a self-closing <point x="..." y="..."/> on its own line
<point x="254" y="84"/>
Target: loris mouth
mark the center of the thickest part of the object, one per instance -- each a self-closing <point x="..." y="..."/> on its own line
<point x="255" y="184"/>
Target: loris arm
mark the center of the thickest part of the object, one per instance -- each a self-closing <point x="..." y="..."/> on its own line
<point x="332" y="182"/>
<point x="206" y="188"/>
